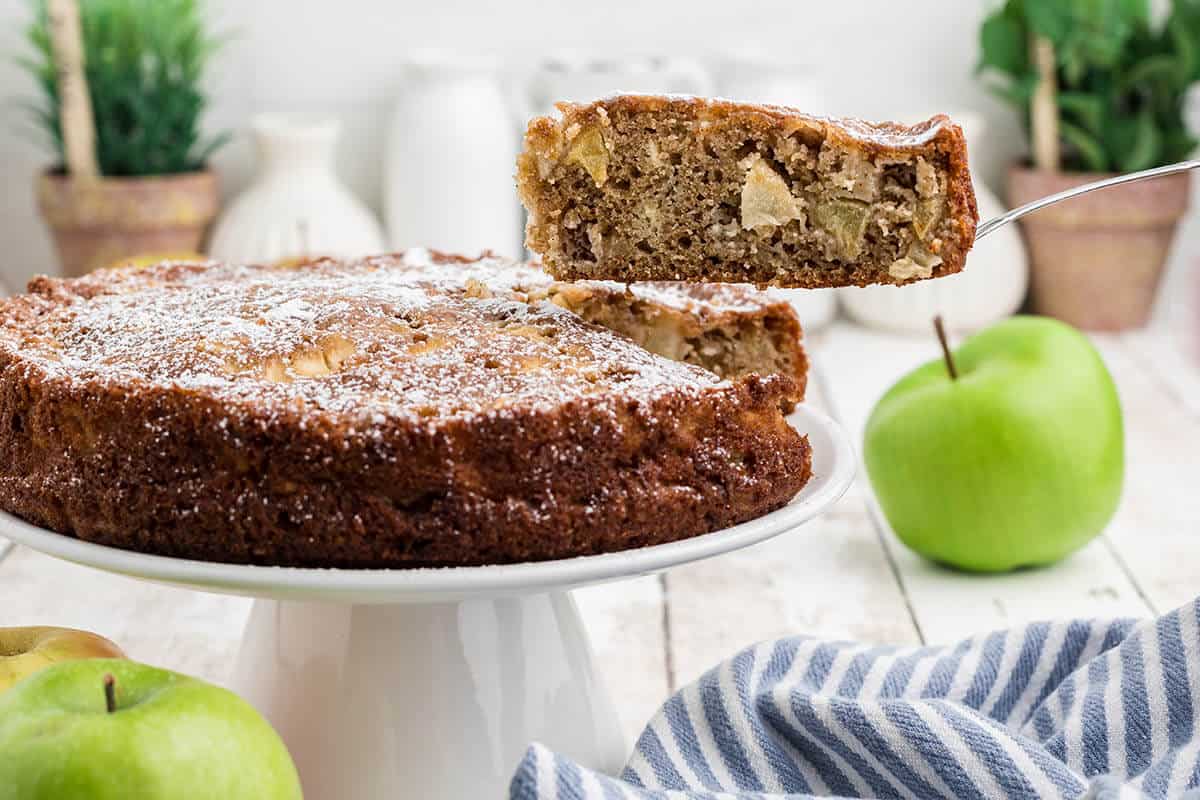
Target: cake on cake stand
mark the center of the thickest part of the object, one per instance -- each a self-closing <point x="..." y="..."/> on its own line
<point x="430" y="683"/>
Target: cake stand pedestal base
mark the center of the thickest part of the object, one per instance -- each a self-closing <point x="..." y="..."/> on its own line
<point x="435" y="700"/>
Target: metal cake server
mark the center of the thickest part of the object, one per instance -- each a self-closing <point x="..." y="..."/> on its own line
<point x="1009" y="216"/>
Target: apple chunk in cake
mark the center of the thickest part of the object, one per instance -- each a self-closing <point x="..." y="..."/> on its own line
<point x="639" y="188"/>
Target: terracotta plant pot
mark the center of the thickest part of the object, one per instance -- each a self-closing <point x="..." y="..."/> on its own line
<point x="1096" y="260"/>
<point x="101" y="222"/>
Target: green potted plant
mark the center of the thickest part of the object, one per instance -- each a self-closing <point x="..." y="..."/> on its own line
<point x="120" y="103"/>
<point x="1100" y="89"/>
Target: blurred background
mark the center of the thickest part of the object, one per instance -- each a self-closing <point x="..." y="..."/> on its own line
<point x="378" y="84"/>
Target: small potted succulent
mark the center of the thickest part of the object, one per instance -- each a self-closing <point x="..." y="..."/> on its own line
<point x="120" y="103"/>
<point x="1100" y="88"/>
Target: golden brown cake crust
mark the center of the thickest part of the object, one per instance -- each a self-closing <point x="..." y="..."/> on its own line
<point x="568" y="179"/>
<point x="345" y="415"/>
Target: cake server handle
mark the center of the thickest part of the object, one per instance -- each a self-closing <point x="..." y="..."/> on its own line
<point x="1015" y="214"/>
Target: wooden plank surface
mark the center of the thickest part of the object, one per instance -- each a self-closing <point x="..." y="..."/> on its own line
<point x="1171" y="358"/>
<point x="627" y="625"/>
<point x="1156" y="533"/>
<point x="828" y="578"/>
<point x="192" y="632"/>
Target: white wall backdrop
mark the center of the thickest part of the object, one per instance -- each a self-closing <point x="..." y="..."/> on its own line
<point x="874" y="58"/>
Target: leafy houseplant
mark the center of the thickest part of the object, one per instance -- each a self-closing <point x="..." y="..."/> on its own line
<point x="131" y="177"/>
<point x="1100" y="88"/>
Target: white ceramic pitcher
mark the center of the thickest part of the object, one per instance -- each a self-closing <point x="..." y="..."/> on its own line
<point x="296" y="206"/>
<point x="580" y="77"/>
<point x="448" y="163"/>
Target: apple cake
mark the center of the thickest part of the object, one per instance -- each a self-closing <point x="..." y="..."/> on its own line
<point x="730" y="329"/>
<point x="366" y="414"/>
<point x="642" y="188"/>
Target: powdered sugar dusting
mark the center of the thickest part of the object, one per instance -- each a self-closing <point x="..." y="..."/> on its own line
<point x="702" y="298"/>
<point x="421" y="336"/>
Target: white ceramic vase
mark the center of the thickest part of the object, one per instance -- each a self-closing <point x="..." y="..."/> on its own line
<point x="448" y="164"/>
<point x="295" y="206"/>
<point x="991" y="287"/>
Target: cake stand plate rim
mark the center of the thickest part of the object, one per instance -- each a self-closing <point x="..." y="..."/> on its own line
<point x="834" y="467"/>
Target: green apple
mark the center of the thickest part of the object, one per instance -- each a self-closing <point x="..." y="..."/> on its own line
<point x="105" y="729"/>
<point x="24" y="651"/>
<point x="1018" y="461"/>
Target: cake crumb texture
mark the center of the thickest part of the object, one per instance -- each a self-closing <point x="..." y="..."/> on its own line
<point x="643" y="188"/>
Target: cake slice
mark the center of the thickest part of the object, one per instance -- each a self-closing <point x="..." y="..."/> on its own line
<point x="643" y="188"/>
<point x="733" y="330"/>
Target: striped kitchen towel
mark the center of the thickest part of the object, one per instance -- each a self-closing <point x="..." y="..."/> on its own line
<point x="1097" y="709"/>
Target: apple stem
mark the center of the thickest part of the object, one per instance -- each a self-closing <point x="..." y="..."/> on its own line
<point x="941" y="334"/>
<point x="110" y="693"/>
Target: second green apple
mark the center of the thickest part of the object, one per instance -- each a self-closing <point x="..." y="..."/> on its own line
<point x="108" y="729"/>
<point x="1018" y="461"/>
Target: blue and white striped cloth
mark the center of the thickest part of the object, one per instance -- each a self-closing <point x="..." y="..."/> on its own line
<point x="1097" y="709"/>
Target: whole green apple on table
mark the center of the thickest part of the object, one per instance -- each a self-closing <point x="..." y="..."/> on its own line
<point x="1008" y="453"/>
<point x="106" y="729"/>
<point x="80" y="722"/>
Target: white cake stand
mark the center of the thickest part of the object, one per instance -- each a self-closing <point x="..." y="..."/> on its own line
<point x="430" y="683"/>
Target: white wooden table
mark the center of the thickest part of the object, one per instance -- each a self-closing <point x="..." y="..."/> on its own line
<point x="843" y="576"/>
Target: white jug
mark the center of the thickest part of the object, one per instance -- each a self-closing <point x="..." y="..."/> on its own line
<point x="581" y="77"/>
<point x="448" y="163"/>
<point x="295" y="207"/>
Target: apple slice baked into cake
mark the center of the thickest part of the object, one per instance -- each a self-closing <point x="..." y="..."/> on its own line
<point x="367" y="414"/>
<point x="638" y="188"/>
